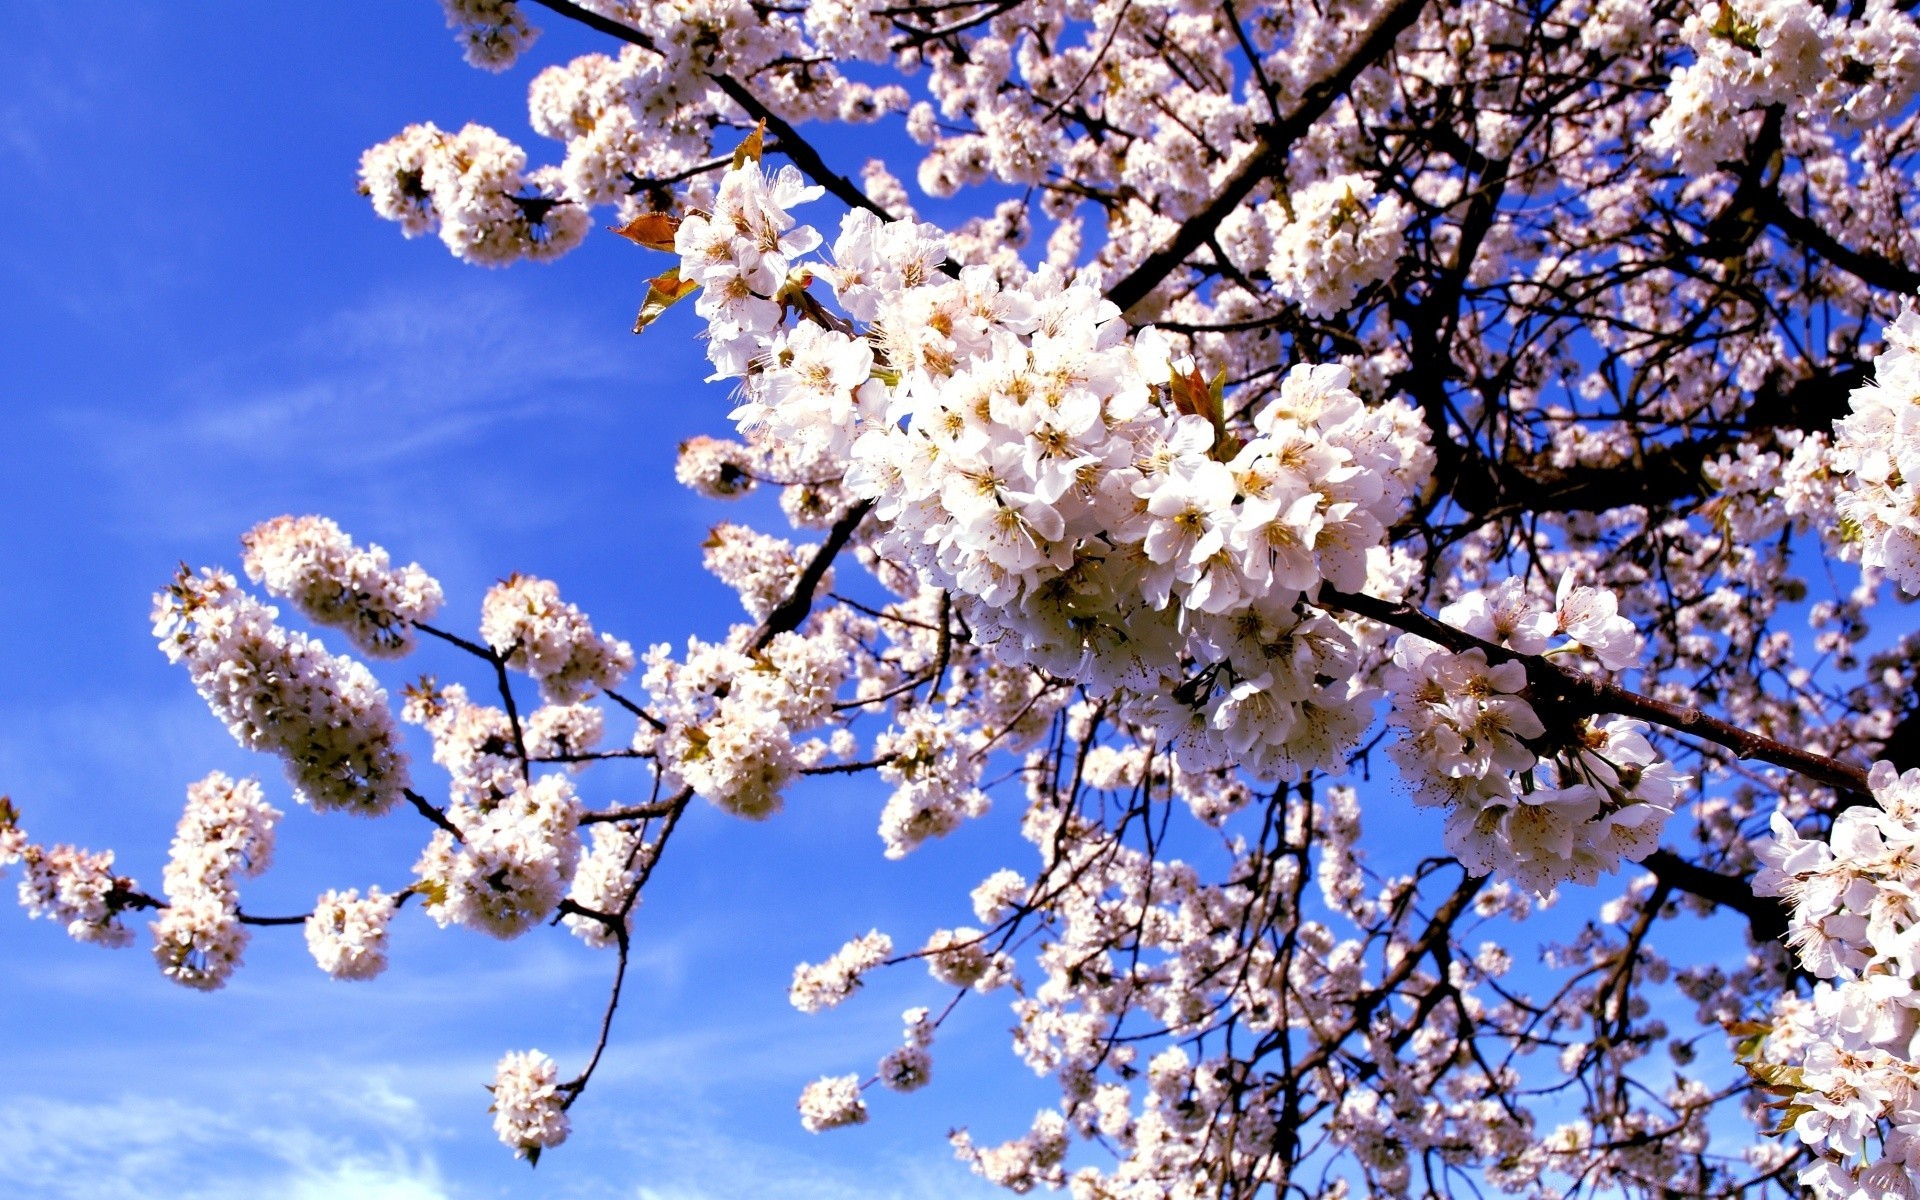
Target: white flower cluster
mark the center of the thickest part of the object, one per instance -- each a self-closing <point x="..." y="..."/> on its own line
<point x="280" y="691"/>
<point x="474" y="742"/>
<point x="524" y="619"/>
<point x="1852" y="69"/>
<point x="529" y="1114"/>
<point x="491" y="33"/>
<point x="605" y="879"/>
<point x="226" y="831"/>
<point x="474" y="188"/>
<point x="312" y="564"/>
<point x="732" y="718"/>
<point x="1332" y="240"/>
<point x="512" y="863"/>
<point x="1472" y="741"/>
<point x="75" y="887"/>
<point x="716" y="468"/>
<point x="1876" y="453"/>
<point x="740" y="256"/>
<point x="759" y="566"/>
<point x="1077" y="490"/>
<point x="933" y="760"/>
<point x="347" y="934"/>
<point x="831" y="1102"/>
<point x="909" y="1067"/>
<point x="1849" y="1062"/>
<point x="961" y="958"/>
<point x="1033" y="1159"/>
<point x="825" y="985"/>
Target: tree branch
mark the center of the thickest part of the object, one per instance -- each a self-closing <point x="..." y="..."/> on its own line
<point x="1566" y="685"/>
<point x="790" y="612"/>
<point x="1268" y="159"/>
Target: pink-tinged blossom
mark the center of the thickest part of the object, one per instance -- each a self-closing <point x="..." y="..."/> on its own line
<point x="279" y="691"/>
<point x="529" y="1110"/>
<point x="317" y="568"/>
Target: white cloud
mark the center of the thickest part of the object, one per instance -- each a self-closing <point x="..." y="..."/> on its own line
<point x="155" y="1148"/>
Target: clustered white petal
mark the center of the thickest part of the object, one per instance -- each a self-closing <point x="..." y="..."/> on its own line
<point x="279" y="690"/>
<point x="312" y="564"/>
<point x="347" y="933"/>
<point x="1876" y="453"/>
<point x="225" y="832"/>
<point x="1474" y="743"/>
<point x="529" y="1113"/>
<point x="1848" y="1061"/>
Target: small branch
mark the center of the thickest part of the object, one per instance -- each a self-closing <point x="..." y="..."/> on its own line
<point x="790" y="612"/>
<point x="513" y="711"/>
<point x="849" y="768"/>
<point x="635" y="813"/>
<point x="437" y="815"/>
<point x="618" y="925"/>
<point x="249" y="919"/>
<point x="635" y="709"/>
<point x="473" y="648"/>
<point x="1566" y="685"/>
<point x="1268" y="159"/>
<point x="591" y="756"/>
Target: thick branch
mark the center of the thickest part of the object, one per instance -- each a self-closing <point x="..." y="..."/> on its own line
<point x="1766" y="916"/>
<point x="789" y="613"/>
<point x="791" y="143"/>
<point x="1269" y="156"/>
<point x="1566" y="685"/>
<point x="1871" y="269"/>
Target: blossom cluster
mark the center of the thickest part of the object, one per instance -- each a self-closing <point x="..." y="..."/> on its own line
<point x="529" y="1112"/>
<point x="731" y="721"/>
<point x="824" y="985"/>
<point x="1845" y="1060"/>
<point x="1473" y="741"/>
<point x="225" y="832"/>
<point x="1331" y="240"/>
<point x="1852" y="69"/>
<point x="831" y="1102"/>
<point x="511" y="862"/>
<point x="317" y="568"/>
<point x="473" y="188"/>
<point x="526" y="622"/>
<point x="280" y="691"/>
<point x="1876" y="454"/>
<point x="347" y="933"/>
<point x="75" y="887"/>
<point x="1076" y="488"/>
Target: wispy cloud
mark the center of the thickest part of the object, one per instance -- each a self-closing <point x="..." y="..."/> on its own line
<point x="142" y="1147"/>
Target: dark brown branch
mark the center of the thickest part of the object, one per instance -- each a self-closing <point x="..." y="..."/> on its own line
<point x="1552" y="681"/>
<point x="1766" y="916"/>
<point x="1872" y="269"/>
<point x="1268" y="159"/>
<point x="635" y="709"/>
<point x="437" y="815"/>
<point x="849" y="768"/>
<point x="616" y="924"/>
<point x="790" y="612"/>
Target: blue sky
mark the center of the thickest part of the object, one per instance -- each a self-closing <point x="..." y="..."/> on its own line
<point x="206" y="327"/>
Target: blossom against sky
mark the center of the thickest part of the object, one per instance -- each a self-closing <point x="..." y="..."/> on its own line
<point x="206" y="328"/>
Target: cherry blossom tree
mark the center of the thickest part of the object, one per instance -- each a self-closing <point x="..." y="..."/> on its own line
<point x="1510" y="408"/>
